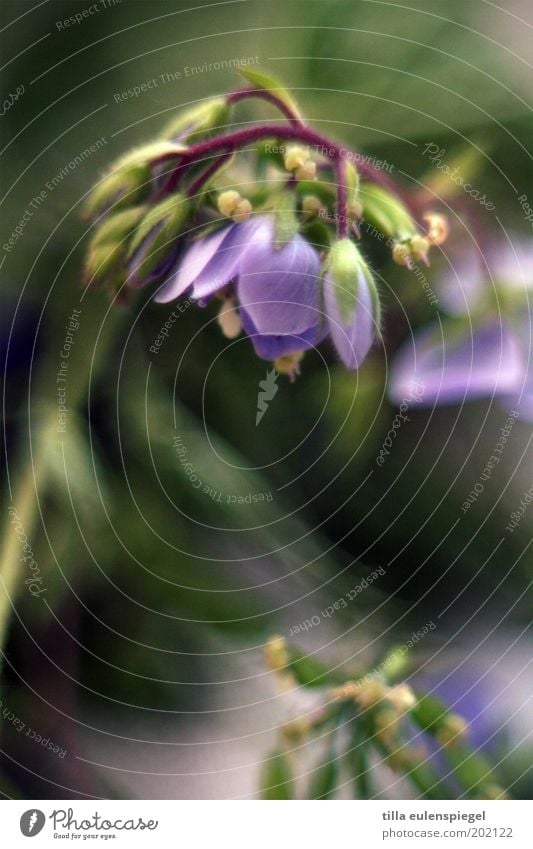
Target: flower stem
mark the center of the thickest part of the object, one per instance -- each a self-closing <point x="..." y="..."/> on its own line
<point x="270" y="97"/>
<point x="342" y="210"/>
<point x="231" y="142"/>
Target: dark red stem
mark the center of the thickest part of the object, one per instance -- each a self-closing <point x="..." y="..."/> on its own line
<point x="269" y="97"/>
<point x="240" y="138"/>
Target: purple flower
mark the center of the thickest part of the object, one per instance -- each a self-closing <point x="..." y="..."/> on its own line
<point x="277" y="292"/>
<point x="457" y="366"/>
<point x="353" y="338"/>
<point x="462" y="359"/>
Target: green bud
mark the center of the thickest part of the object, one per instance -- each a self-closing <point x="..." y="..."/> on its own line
<point x="198" y="122"/>
<point x="387" y="213"/>
<point x="348" y="270"/>
<point x="109" y="246"/>
<point x="129" y="179"/>
<point x="158" y="232"/>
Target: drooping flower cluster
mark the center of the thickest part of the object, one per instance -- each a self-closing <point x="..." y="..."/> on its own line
<point x="283" y="262"/>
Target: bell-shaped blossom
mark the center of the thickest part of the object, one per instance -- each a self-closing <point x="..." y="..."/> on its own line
<point x="277" y="288"/>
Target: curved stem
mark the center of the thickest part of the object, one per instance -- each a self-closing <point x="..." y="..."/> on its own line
<point x="230" y="142"/>
<point x="342" y="211"/>
<point x="269" y="97"/>
<point x="197" y="184"/>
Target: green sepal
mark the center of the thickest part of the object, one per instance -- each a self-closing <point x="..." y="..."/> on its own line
<point x="285" y="218"/>
<point x="168" y="218"/>
<point x="318" y="233"/>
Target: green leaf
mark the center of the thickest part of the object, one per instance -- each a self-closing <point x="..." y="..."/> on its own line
<point x="277" y="781"/>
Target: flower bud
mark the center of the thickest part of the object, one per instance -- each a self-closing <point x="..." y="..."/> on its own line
<point x="154" y="242"/>
<point x="386" y="212"/>
<point x="199" y="122"/>
<point x="351" y="302"/>
<point x="129" y="179"/>
<point x="109" y="246"/>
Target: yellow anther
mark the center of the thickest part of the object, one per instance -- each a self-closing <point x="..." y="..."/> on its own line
<point x="295" y="157"/>
<point x="452" y="730"/>
<point x="438" y="227"/>
<point x="242" y="211"/>
<point x="289" y="364"/>
<point x="306" y="171"/>
<point x="229" y="318"/>
<point x="228" y="201"/>
<point x="401" y="698"/>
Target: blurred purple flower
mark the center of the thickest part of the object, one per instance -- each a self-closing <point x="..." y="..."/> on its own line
<point x="462" y="359"/>
<point x="277" y="291"/>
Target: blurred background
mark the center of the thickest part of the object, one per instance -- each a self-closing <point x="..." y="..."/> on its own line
<point x="134" y="642"/>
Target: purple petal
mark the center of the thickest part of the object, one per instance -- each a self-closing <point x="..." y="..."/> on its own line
<point x="279" y="287"/>
<point x="511" y="264"/>
<point x="195" y="259"/>
<point x="226" y="262"/>
<point x="270" y="347"/>
<point x="352" y="341"/>
<point x="463" y="284"/>
<point x="457" y="368"/>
